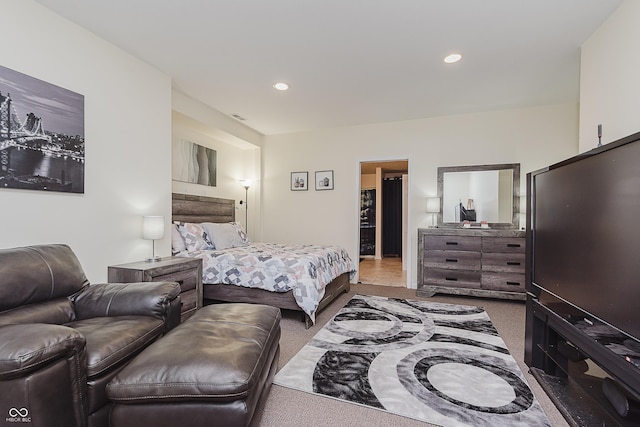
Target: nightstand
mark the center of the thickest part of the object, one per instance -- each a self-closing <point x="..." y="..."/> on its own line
<point x="186" y="271"/>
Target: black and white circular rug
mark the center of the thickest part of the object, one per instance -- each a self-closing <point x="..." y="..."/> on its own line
<point x="439" y="363"/>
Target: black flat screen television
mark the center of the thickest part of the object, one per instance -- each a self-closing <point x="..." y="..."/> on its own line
<point x="584" y="225"/>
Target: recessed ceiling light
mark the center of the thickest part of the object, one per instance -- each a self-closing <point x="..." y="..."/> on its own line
<point x="281" y="86"/>
<point x="454" y="57"/>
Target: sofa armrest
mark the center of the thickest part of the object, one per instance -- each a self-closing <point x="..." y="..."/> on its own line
<point x="121" y="299"/>
<point x="25" y="348"/>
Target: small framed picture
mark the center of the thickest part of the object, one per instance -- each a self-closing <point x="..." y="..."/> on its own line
<point x="299" y="181"/>
<point x="324" y="180"/>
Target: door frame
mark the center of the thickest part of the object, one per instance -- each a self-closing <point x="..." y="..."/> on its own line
<point x="407" y="253"/>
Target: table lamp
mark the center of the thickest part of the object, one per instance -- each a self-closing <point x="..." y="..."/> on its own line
<point x="153" y="229"/>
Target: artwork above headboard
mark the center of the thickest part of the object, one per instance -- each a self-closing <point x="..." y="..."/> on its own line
<point x="197" y="209"/>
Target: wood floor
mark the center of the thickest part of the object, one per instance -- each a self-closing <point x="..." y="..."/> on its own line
<point x="386" y="271"/>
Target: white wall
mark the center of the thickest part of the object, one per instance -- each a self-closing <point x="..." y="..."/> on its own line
<point x="610" y="78"/>
<point x="238" y="156"/>
<point x="127" y="137"/>
<point x="533" y="137"/>
<point x="128" y="115"/>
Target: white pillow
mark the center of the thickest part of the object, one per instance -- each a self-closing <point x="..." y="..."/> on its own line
<point x="177" y="242"/>
<point x="226" y="235"/>
<point x="194" y="235"/>
<point x="243" y="234"/>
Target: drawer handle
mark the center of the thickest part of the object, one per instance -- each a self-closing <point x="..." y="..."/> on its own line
<point x="513" y="263"/>
<point x="513" y="283"/>
<point x="513" y="245"/>
<point x="451" y="260"/>
<point x="451" y="279"/>
<point x="452" y="243"/>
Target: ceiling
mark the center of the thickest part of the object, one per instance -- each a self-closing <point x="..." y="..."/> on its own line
<point x="352" y="62"/>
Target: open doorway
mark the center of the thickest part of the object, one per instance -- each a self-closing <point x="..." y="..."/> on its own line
<point x="383" y="222"/>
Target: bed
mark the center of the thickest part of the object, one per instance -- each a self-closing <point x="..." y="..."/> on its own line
<point x="226" y="273"/>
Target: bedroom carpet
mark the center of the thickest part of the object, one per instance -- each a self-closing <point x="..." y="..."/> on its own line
<point x="444" y="364"/>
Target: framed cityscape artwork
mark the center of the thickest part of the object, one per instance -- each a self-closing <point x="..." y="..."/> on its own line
<point x="41" y="135"/>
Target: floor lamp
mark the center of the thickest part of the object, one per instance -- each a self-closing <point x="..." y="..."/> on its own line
<point x="246" y="184"/>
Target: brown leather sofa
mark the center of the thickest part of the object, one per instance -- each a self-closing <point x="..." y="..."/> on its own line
<point x="62" y="340"/>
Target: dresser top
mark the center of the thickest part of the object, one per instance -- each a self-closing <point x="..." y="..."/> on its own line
<point x="166" y="262"/>
<point x="472" y="232"/>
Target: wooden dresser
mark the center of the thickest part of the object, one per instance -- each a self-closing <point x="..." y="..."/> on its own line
<point x="478" y="262"/>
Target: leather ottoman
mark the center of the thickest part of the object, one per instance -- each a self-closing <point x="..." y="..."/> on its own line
<point x="216" y="368"/>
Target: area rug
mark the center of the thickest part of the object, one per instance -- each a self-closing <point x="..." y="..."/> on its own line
<point x="439" y="363"/>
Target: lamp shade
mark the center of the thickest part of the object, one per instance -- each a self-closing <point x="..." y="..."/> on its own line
<point x="433" y="204"/>
<point x="152" y="227"/>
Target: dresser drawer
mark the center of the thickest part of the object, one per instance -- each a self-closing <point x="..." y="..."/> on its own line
<point x="455" y="260"/>
<point x="511" y="282"/>
<point x="186" y="279"/>
<point x="513" y="245"/>
<point x="189" y="300"/>
<point x="503" y="262"/>
<point x="453" y="243"/>
<point x="453" y="278"/>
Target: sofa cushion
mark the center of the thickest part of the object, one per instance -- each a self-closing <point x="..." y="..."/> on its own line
<point x="24" y="348"/>
<point x="114" y="340"/>
<point x="56" y="312"/>
<point x="35" y="274"/>
<point x="219" y="354"/>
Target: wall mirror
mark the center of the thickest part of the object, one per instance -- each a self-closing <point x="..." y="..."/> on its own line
<point x="479" y="193"/>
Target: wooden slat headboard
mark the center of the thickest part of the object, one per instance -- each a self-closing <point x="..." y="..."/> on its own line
<point x="197" y="209"/>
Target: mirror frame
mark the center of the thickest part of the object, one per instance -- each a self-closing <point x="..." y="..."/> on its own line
<point x="515" y="168"/>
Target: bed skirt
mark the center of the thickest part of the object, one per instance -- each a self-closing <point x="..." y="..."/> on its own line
<point x="230" y="293"/>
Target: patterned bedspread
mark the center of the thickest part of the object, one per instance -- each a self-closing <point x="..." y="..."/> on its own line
<point x="305" y="269"/>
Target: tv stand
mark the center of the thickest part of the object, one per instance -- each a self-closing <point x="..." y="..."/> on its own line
<point x="571" y="356"/>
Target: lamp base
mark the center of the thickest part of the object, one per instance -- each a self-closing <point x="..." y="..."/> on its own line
<point x="153" y="258"/>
